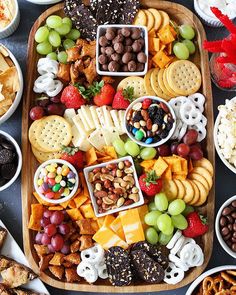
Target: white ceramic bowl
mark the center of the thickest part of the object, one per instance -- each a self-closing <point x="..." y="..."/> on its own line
<point x="61" y="200"/>
<point x="100" y="31"/>
<point x="217" y="228"/>
<point x="212" y="271"/>
<point x="19" y="166"/>
<point x="44" y="2"/>
<point x="17" y="100"/>
<point x="164" y="139"/>
<point x="90" y="188"/>
<point x="10" y="29"/>
<point x="216" y="126"/>
<point x="210" y="21"/>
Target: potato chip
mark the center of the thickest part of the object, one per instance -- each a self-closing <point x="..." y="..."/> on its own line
<point x="100" y="154"/>
<point x="110" y="151"/>
<point x="75" y="214"/>
<point x="91" y="156"/>
<point x="36" y="216"/>
<point x="3" y="64"/>
<point x="160" y="166"/>
<point x="87" y="211"/>
<point x="10" y="80"/>
<point x="79" y="200"/>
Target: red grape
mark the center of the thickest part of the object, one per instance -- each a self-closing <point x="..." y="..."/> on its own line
<point x="44" y="221"/>
<point x="43" y="101"/>
<point x="183" y="150"/>
<point x="173" y="147"/>
<point x="64" y="229"/>
<point x="50" y="230"/>
<point x="47" y="213"/>
<point x="46" y="240"/>
<point x="55" y="109"/>
<point x="57" y="217"/>
<point x="164" y="150"/>
<point x="36" y="113"/>
<point x="51" y="249"/>
<point x="38" y="238"/>
<point x="65" y="249"/>
<point x="190" y="137"/>
<point x="57" y="242"/>
<point x="56" y="99"/>
<point x="195" y="153"/>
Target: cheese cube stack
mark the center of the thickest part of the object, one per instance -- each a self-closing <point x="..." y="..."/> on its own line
<point x="95" y="126"/>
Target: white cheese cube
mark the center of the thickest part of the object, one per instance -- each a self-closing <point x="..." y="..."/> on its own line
<point x="79" y="141"/>
<point x="95" y="117"/>
<point x="78" y="123"/>
<point x="107" y="116"/>
<point x="101" y="117"/>
<point x="96" y="139"/>
<point x="88" y="116"/>
<point x="68" y="115"/>
<point x="110" y="135"/>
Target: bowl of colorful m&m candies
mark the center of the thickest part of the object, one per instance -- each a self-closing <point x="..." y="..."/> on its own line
<point x="56" y="181"/>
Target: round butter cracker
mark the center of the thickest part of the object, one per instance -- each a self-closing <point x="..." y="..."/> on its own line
<point x="32" y="137"/>
<point x="43" y="156"/>
<point x="155" y="85"/>
<point x="150" y="19"/>
<point x="162" y="85"/>
<point x="157" y="18"/>
<point x="165" y="19"/>
<point x="147" y="83"/>
<point x="140" y="18"/>
<point x="136" y="82"/>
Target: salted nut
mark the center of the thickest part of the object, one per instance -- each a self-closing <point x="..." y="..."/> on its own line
<point x="114" y="186"/>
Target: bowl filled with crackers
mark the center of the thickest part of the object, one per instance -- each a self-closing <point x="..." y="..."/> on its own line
<point x="10" y="160"/>
<point x="11" y="84"/>
<point x="150" y="121"/>
<point x="218" y="280"/>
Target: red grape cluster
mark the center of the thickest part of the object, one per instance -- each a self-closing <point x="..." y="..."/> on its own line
<point x="47" y="106"/>
<point x="188" y="148"/>
<point x="55" y="228"/>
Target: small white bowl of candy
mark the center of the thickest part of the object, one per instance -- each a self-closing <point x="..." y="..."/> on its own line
<point x="225" y="134"/>
<point x="56" y="181"/>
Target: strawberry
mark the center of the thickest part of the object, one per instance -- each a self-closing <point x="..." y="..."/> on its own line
<point x="72" y="97"/>
<point x="123" y="98"/>
<point x="74" y="156"/>
<point x="103" y="93"/>
<point x="150" y="183"/>
<point x="197" y="225"/>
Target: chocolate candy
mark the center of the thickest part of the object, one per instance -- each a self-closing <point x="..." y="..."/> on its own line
<point x="118" y="266"/>
<point x="228" y="225"/>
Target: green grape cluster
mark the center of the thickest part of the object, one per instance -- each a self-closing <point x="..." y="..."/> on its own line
<point x="55" y="37"/>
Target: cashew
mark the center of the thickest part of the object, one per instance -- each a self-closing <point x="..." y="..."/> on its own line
<point x="107" y="201"/>
<point x="129" y="179"/>
<point x="120" y="202"/>
<point x="135" y="190"/>
<point x="96" y="176"/>
<point x="106" y="176"/>
<point x="134" y="197"/>
<point x="129" y="170"/>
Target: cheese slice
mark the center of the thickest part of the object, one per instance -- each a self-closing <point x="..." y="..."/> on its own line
<point x="121" y="114"/>
<point x="88" y="116"/>
<point x="68" y="115"/>
<point x="107" y="116"/>
<point x="83" y="120"/>
<point x="101" y="117"/>
<point x="116" y="226"/>
<point x="107" y="238"/>
<point x="143" y="210"/>
<point x="96" y="139"/>
<point x="77" y="121"/>
<point x="108" y="220"/>
<point x="116" y="120"/>
<point x="80" y="141"/>
<point x="3" y="64"/>
<point x="95" y="117"/>
<point x="110" y="135"/>
<point x="132" y="226"/>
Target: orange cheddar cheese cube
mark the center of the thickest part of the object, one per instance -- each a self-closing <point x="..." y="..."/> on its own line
<point x="160" y="166"/>
<point x="107" y="238"/>
<point x="132" y="226"/>
<point x="116" y="226"/>
<point x="167" y="174"/>
<point x="160" y="58"/>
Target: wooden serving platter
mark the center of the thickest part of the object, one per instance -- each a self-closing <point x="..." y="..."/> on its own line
<point x="181" y="15"/>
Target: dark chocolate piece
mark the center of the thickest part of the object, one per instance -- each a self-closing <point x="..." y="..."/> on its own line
<point x="6" y="156"/>
<point x="8" y="170"/>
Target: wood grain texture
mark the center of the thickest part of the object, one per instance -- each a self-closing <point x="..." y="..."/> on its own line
<point x="181" y="15"/>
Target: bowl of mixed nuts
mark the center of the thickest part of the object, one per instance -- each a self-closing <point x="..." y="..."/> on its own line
<point x="113" y="186"/>
<point x="150" y="121"/>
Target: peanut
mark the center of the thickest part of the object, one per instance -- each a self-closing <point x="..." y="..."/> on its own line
<point x="100" y="194"/>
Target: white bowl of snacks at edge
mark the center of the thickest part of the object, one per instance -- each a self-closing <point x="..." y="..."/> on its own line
<point x="56" y="181"/>
<point x="11" y="79"/>
<point x="137" y="126"/>
<point x="195" y="286"/>
<point x="225" y="134"/>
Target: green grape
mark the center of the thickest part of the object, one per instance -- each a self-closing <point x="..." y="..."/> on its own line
<point x="151" y="235"/>
<point x="132" y="148"/>
<point x="68" y="43"/>
<point x="73" y="34"/>
<point x="190" y="45"/>
<point x="119" y="146"/>
<point x="52" y="55"/>
<point x="188" y="209"/>
<point x="63" y="29"/>
<point x="62" y="57"/>
<point x="186" y="32"/>
<point x="164" y="223"/>
<point x="181" y="50"/>
<point x="168" y="231"/>
<point x="152" y="206"/>
<point x="164" y="239"/>
<point x="54" y="21"/>
<point x="176" y="207"/>
<point x="68" y="21"/>
<point x="44" y="48"/>
<point x="148" y="153"/>
<point x="41" y="34"/>
<point x="179" y="221"/>
<point x="161" y="201"/>
<point x="54" y="38"/>
<point x="151" y="217"/>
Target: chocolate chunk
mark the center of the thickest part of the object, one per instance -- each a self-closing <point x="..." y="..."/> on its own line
<point x="157" y="252"/>
<point x="118" y="266"/>
<point x="7" y="145"/>
<point x="69" y="5"/>
<point x="6" y="156"/>
<point x="107" y="12"/>
<point x="148" y="269"/>
<point x="93" y="6"/>
<point x="128" y="10"/>
<point x="8" y="171"/>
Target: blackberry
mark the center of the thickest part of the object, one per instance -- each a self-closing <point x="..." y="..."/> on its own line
<point x="137" y="117"/>
<point x="164" y="134"/>
<point x="129" y="127"/>
<point x="152" y="112"/>
<point x="169" y="125"/>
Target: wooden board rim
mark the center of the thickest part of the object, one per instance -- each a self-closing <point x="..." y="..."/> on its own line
<point x="26" y="190"/>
